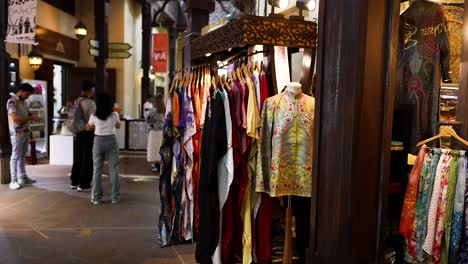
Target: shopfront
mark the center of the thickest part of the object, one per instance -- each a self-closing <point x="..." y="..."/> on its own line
<point x="360" y="115"/>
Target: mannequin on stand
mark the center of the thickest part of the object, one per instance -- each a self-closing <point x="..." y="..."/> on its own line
<point x="285" y="158"/>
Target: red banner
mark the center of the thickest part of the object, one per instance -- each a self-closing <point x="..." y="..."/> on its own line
<point x="160" y="52"/>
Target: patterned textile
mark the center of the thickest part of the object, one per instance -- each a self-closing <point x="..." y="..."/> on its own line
<point x="411" y="196"/>
<point x="424" y="49"/>
<point x="442" y="208"/>
<point x="286" y="145"/>
<point x="452" y="187"/>
<point x="432" y="220"/>
<point x="196" y="154"/>
<point x="189" y="132"/>
<point x="454" y="15"/>
<point x="463" y="257"/>
<point x="426" y="184"/>
<point x="165" y="216"/>
<point x="457" y="222"/>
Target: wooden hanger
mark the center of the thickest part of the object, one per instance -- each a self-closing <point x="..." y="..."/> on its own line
<point x="239" y="74"/>
<point x="444" y="131"/>
<point x="213" y="82"/>
<point x="226" y="84"/>
<point x="245" y="70"/>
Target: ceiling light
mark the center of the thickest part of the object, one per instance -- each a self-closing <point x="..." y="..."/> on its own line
<point x="35" y="59"/>
<point x="80" y="30"/>
<point x="311" y="5"/>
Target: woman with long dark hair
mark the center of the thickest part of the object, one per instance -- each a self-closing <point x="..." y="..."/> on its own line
<point x="104" y="122"/>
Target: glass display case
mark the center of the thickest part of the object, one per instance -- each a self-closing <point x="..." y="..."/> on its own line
<point x="448" y="102"/>
<point x="38" y="105"/>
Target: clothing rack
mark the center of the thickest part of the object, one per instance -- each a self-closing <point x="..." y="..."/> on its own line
<point x="238" y="57"/>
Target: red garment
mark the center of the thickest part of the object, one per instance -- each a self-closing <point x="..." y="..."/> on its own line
<point x="263" y="90"/>
<point x="263" y="228"/>
<point x="232" y="229"/>
<point x="409" y="205"/>
<point x="196" y="156"/>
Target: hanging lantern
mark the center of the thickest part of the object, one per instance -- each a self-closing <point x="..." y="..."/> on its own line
<point x="35" y="59"/>
<point x="80" y="30"/>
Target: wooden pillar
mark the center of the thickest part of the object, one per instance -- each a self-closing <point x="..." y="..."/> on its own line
<point x="173" y="34"/>
<point x="462" y="106"/>
<point x="146" y="54"/>
<point x="354" y="106"/>
<point x="101" y="20"/>
<point x="198" y="16"/>
<point x="5" y="146"/>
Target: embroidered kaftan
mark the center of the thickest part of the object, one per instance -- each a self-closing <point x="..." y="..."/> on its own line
<point x="286" y="145"/>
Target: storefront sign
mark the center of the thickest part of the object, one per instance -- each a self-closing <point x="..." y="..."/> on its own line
<point x="56" y="44"/>
<point x="160" y="52"/>
<point x="21" y="21"/>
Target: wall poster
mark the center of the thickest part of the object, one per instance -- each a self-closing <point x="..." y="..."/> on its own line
<point x="21" y="21"/>
<point x="160" y="52"/>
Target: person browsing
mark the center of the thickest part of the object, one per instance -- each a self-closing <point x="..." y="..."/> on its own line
<point x="18" y="123"/>
<point x="104" y="123"/>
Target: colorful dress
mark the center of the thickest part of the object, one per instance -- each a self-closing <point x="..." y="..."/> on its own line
<point x="190" y="131"/>
<point x="424" y="53"/>
<point x="165" y="216"/>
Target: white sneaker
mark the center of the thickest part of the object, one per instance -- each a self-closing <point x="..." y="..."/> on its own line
<point x="15" y="186"/>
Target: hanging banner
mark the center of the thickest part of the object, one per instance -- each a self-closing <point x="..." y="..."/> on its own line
<point x="21" y="21"/>
<point x="160" y="52"/>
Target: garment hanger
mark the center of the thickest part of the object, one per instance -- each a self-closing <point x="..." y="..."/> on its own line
<point x="245" y="70"/>
<point x="444" y="131"/>
<point x="239" y="74"/>
<point x="213" y="83"/>
<point x="226" y="84"/>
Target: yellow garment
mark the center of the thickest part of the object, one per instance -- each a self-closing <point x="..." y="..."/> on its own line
<point x="253" y="115"/>
<point x="253" y="124"/>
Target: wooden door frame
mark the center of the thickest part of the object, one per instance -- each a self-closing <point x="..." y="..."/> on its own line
<point x="353" y="127"/>
<point x="462" y="106"/>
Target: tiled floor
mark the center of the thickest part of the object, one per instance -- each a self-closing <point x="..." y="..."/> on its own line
<point x="50" y="224"/>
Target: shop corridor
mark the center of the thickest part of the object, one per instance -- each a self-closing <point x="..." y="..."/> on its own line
<point x="49" y="223"/>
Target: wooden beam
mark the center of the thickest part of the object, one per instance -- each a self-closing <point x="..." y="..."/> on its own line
<point x="4" y="80"/>
<point x="146" y="54"/>
<point x="5" y="146"/>
<point x="354" y="109"/>
<point x="101" y="20"/>
<point x="462" y="106"/>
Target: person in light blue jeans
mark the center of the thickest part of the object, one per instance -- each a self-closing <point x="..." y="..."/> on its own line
<point x="104" y="123"/>
<point x="18" y="123"/>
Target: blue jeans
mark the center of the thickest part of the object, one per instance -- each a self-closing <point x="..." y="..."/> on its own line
<point x="105" y="148"/>
<point x="19" y="149"/>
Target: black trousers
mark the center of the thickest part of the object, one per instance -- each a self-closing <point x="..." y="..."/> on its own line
<point x="82" y="170"/>
<point x="301" y="211"/>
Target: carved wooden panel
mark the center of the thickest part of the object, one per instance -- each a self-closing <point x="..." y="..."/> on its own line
<point x="253" y="30"/>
